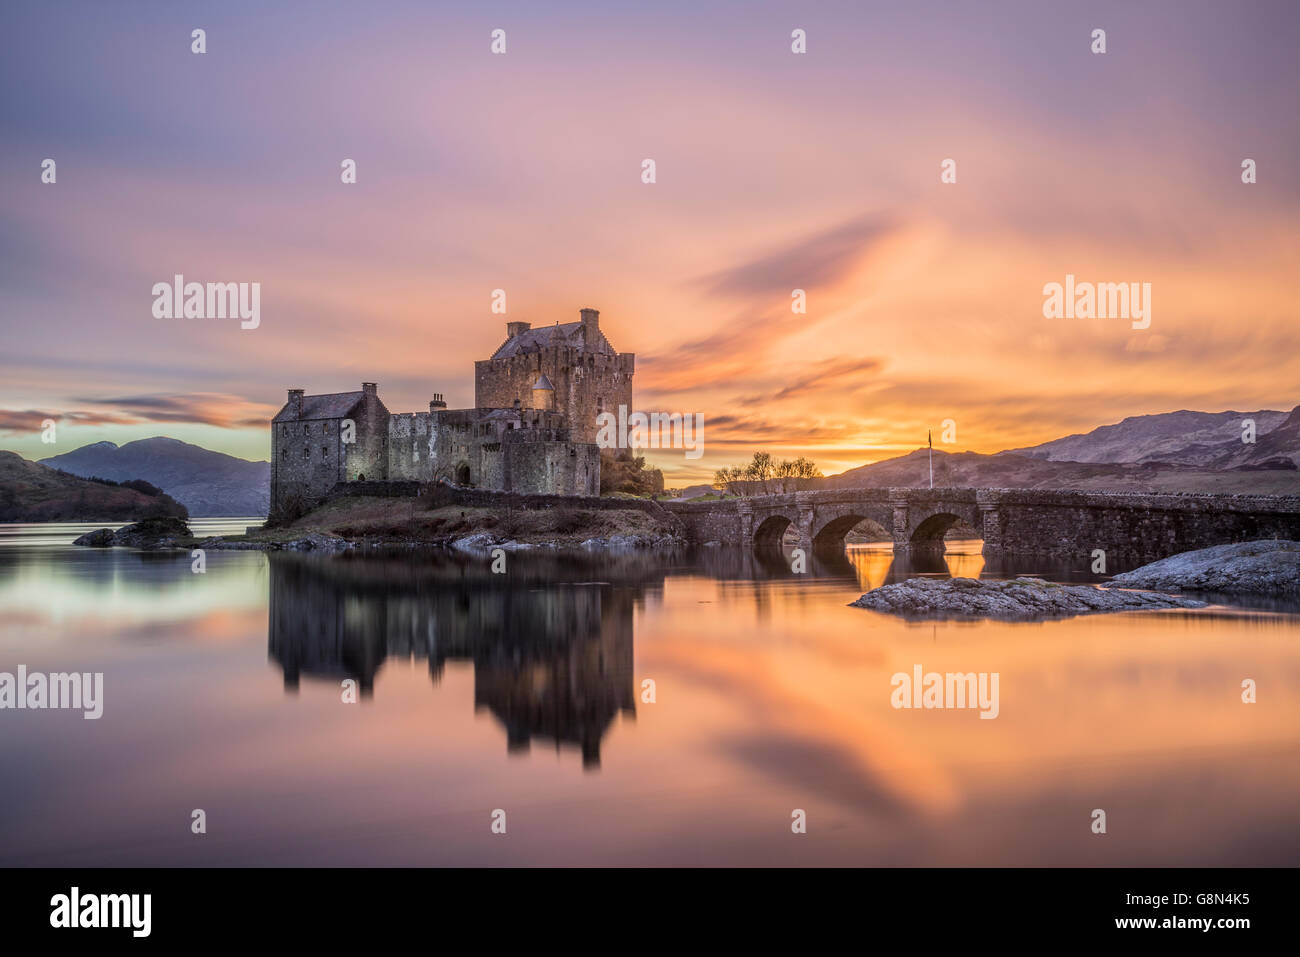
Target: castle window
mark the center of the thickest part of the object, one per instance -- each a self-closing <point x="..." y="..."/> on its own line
<point x="306" y="453"/>
<point x="324" y="452"/>
<point x="284" y="453"/>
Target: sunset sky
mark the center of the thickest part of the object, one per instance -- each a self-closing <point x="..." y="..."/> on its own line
<point x="775" y="171"/>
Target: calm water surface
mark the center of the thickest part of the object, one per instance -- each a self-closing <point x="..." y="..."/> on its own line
<point x="524" y="692"/>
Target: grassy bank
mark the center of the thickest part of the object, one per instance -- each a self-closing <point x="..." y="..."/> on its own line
<point x="407" y="520"/>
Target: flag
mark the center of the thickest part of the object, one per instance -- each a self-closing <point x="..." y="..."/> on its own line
<point x="929" y="439"/>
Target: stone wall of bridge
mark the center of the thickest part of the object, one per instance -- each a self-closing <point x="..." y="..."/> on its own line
<point x="1136" y="526"/>
<point x="1056" y="523"/>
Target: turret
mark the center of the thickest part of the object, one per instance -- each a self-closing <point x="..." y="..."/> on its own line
<point x="543" y="394"/>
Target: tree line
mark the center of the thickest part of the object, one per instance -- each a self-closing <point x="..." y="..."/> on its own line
<point x="764" y="475"/>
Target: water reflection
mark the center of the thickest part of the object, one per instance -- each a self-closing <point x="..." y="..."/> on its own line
<point x="551" y="644"/>
<point x="772" y="694"/>
<point x="551" y="663"/>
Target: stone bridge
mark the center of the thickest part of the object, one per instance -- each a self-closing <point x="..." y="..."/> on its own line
<point x="1061" y="523"/>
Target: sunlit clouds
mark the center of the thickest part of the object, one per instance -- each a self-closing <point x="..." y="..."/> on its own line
<point x="775" y="172"/>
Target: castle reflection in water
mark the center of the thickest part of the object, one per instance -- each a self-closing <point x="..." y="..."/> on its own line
<point x="551" y="646"/>
<point x="551" y="642"/>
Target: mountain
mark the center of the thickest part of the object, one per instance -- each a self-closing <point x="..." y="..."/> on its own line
<point x="1005" y="470"/>
<point x="1170" y="452"/>
<point x="31" y="492"/>
<point x="1210" y="440"/>
<point x="206" y="482"/>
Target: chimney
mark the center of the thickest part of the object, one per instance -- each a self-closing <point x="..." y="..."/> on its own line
<point x="295" y="401"/>
<point x="590" y="320"/>
<point x="437" y="402"/>
<point x="370" y="389"/>
<point x="515" y="328"/>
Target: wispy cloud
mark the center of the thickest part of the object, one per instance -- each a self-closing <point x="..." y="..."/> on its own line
<point x="223" y="411"/>
<point x="815" y="262"/>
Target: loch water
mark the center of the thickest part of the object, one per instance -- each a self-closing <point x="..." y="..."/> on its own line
<point x="622" y="709"/>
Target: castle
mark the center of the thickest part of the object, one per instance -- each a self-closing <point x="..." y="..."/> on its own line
<point x="532" y="429"/>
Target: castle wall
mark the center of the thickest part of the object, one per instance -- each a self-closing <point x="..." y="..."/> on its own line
<point x="545" y="463"/>
<point x="491" y="449"/>
<point x="410" y="447"/>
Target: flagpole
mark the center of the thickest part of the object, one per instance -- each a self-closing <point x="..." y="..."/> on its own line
<point x="929" y="438"/>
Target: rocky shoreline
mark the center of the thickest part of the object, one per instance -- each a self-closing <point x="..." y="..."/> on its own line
<point x="1021" y="599"/>
<point x="174" y="534"/>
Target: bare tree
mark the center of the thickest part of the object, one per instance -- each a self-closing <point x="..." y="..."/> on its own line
<point x="761" y="470"/>
<point x="728" y="479"/>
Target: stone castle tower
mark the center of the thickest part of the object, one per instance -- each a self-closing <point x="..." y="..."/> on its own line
<point x="586" y="376"/>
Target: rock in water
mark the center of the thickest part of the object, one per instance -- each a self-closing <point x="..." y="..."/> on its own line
<point x="99" y="538"/>
<point x="318" y="542"/>
<point x="476" y="542"/>
<point x="150" y="533"/>
<point x="1243" y="568"/>
<point x="1022" y="599"/>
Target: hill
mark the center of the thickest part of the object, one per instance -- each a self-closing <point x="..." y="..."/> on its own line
<point x="1004" y="470"/>
<point x="207" y="483"/>
<point x="31" y="492"/>
<point x="1170" y="452"/>
<point x="1210" y="440"/>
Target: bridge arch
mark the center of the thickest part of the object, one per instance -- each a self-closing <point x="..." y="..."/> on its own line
<point x="833" y="520"/>
<point x="932" y="528"/>
<point x="830" y="537"/>
<point x="771" y="530"/>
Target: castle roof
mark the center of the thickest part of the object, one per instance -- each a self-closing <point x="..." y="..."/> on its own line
<point x="543" y="383"/>
<point x="570" y="334"/>
<point x="333" y="405"/>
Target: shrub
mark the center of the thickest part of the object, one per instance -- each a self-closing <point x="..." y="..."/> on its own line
<point x="565" y="521"/>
